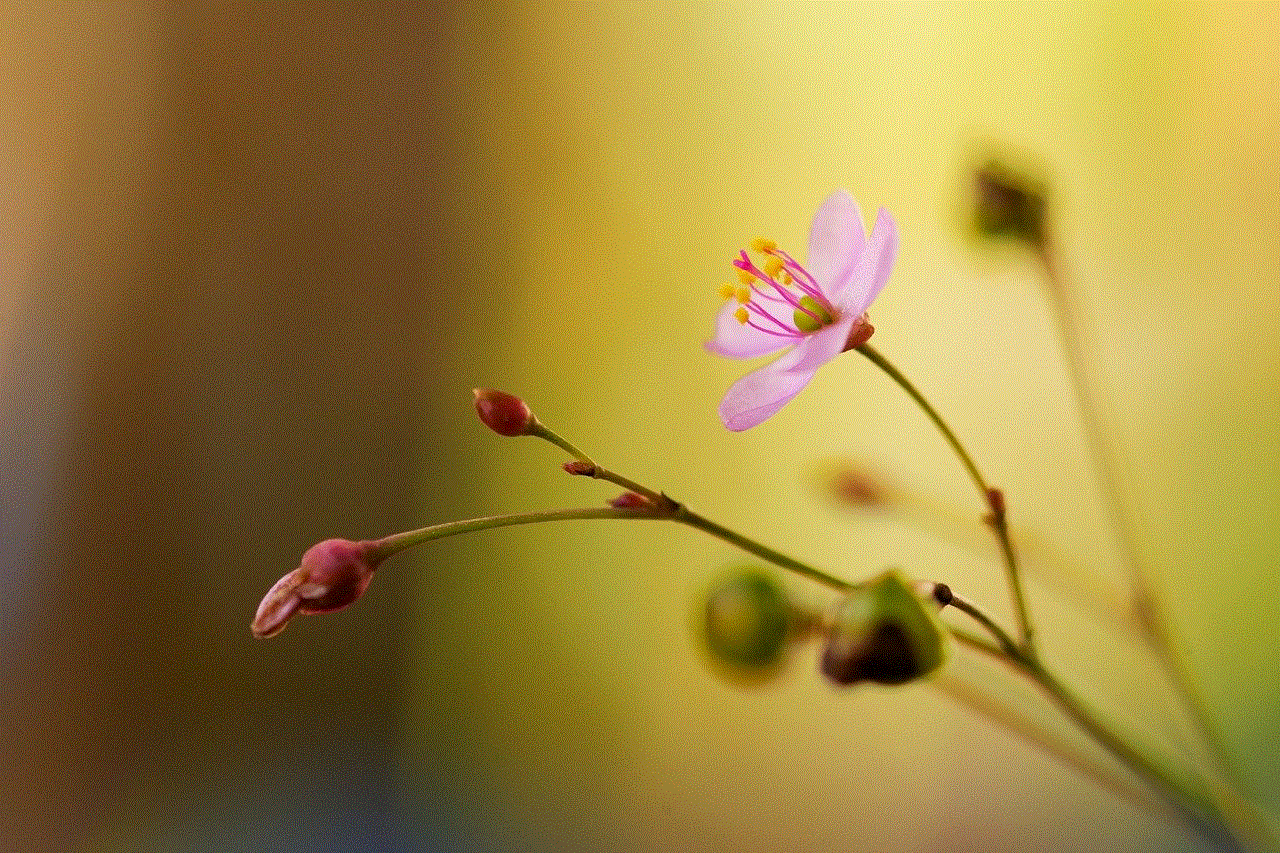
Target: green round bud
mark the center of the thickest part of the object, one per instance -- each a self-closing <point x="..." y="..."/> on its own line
<point x="746" y="620"/>
<point x="883" y="632"/>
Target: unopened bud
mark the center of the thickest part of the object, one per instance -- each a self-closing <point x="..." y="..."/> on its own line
<point x="630" y="500"/>
<point x="883" y="632"/>
<point x="995" y="500"/>
<point x="1008" y="204"/>
<point x="503" y="413"/>
<point x="331" y="575"/>
<point x="746" y="620"/>
<point x="859" y="487"/>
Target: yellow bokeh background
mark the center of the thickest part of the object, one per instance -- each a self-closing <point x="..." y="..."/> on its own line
<point x="262" y="253"/>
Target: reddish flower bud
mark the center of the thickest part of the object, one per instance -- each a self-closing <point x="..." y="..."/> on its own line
<point x="995" y="500"/>
<point x="860" y="333"/>
<point x="331" y="575"/>
<point x="859" y="487"/>
<point x="630" y="500"/>
<point x="503" y="413"/>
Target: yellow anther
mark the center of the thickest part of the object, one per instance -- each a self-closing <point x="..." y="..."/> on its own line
<point x="741" y="315"/>
<point x="772" y="267"/>
<point x="743" y="295"/>
<point x="787" y="279"/>
<point x="746" y="277"/>
<point x="728" y="290"/>
<point x="763" y="245"/>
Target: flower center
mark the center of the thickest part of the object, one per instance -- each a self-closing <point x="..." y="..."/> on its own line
<point x="778" y="296"/>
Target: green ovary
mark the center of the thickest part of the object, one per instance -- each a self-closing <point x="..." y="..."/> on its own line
<point x="812" y="322"/>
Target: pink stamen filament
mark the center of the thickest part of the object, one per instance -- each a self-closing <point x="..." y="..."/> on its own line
<point x="789" y="335"/>
<point x="788" y="331"/>
<point x="752" y="305"/>
<point x="744" y="263"/>
<point x="809" y="285"/>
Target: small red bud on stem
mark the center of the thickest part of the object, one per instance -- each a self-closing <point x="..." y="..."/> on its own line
<point x="630" y="500"/>
<point x="503" y="413"/>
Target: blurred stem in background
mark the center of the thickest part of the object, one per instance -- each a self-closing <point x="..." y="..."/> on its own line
<point x="1009" y="204"/>
<point x="1148" y="611"/>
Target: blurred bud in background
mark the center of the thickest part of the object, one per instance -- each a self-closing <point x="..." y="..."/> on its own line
<point x="1008" y="203"/>
<point x="747" y="620"/>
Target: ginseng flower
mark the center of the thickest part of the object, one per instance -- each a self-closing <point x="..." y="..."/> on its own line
<point x="813" y="312"/>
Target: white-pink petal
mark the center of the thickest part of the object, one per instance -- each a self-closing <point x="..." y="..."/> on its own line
<point x="738" y="340"/>
<point x="818" y="348"/>
<point x="836" y="240"/>
<point x="759" y="395"/>
<point x="855" y="295"/>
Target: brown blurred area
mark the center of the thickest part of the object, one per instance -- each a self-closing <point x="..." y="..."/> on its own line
<point x="227" y="229"/>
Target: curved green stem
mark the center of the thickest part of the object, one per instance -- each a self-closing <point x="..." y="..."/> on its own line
<point x="1052" y="743"/>
<point x="684" y="516"/>
<point x="1197" y="807"/>
<point x="665" y="507"/>
<point x="397" y="542"/>
<point x="993" y="498"/>
<point x="1004" y="641"/>
<point x="538" y="430"/>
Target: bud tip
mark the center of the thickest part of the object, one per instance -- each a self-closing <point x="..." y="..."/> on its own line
<point x="505" y="414"/>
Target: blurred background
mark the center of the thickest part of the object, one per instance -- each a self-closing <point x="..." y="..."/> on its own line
<point x="256" y="256"/>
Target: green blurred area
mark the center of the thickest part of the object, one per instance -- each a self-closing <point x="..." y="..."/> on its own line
<point x="260" y="254"/>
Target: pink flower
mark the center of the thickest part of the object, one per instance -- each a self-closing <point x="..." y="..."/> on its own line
<point x="331" y="575"/>
<point x="814" y="313"/>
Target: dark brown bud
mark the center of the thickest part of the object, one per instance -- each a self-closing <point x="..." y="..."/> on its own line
<point x="1008" y="204"/>
<point x="939" y="593"/>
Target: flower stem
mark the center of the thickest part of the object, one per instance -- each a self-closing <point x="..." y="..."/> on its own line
<point x="993" y="498"/>
<point x="1106" y="471"/>
<point x="397" y="542"/>
<point x="1184" y="797"/>
<point x="665" y="507"/>
<point x="1151" y="618"/>
<point x="538" y="430"/>
<point x="1199" y="808"/>
<point x="1011" y="718"/>
<point x="684" y="516"/>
